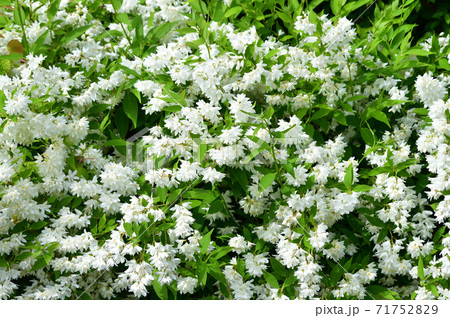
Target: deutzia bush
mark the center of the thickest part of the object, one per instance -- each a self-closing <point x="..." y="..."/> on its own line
<point x="221" y="150"/>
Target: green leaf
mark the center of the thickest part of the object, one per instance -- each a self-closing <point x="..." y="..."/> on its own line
<point x="22" y="256"/>
<point x="40" y="263"/>
<point x="312" y="16"/>
<point x="12" y="56"/>
<point x="47" y="257"/>
<point x="40" y="41"/>
<point x="162" y="193"/>
<point x="348" y="179"/>
<point x="418" y="52"/>
<point x="115" y="142"/>
<point x="435" y="47"/>
<point x="128" y="70"/>
<point x="271" y="53"/>
<point x="380" y="116"/>
<point x="75" y="33"/>
<point x="121" y="122"/>
<point x="216" y="206"/>
<point x="123" y="18"/>
<point x="214" y="271"/>
<point x="380" y="292"/>
<point x="433" y="289"/>
<point x="301" y="113"/>
<point x="161" y="291"/>
<point x="51" y="247"/>
<point x="19" y="14"/>
<point x="268" y="113"/>
<point x="195" y="4"/>
<point x="289" y="281"/>
<point x="158" y="32"/>
<point x="204" y="242"/>
<point x="278" y="268"/>
<point x="109" y="33"/>
<point x="351" y="236"/>
<point x="336" y="6"/>
<point x="37" y="253"/>
<point x="105" y="122"/>
<point x="128" y="228"/>
<point x="65" y="201"/>
<point x="266" y="181"/>
<point x="202" y="271"/>
<point x="38" y="225"/>
<point x="53" y="9"/>
<point x="255" y="152"/>
<point x="420" y="268"/>
<point x="232" y="11"/>
<point x="137" y="94"/>
<point x="362" y="188"/>
<point x="355" y="98"/>
<point x="391" y="102"/>
<point x="172" y="108"/>
<point x="3" y="263"/>
<point x="439" y="234"/>
<point x="241" y="177"/>
<point x="373" y="220"/>
<point x="164" y="227"/>
<point x="221" y="252"/>
<point x="411" y="64"/>
<point x="443" y="63"/>
<point x="352" y="6"/>
<point x="336" y="274"/>
<point x="138" y="40"/>
<point x="320" y="113"/>
<point x="382" y="235"/>
<point x="340" y="118"/>
<point x="179" y="98"/>
<point x="406" y="164"/>
<point x="131" y="107"/>
<point x="247" y="234"/>
<point x="117" y="4"/>
<point x="421" y="111"/>
<point x="271" y="279"/>
<point x="77" y="202"/>
<point x="398" y="39"/>
<point x="102" y="222"/>
<point x="186" y="30"/>
<point x="378" y="170"/>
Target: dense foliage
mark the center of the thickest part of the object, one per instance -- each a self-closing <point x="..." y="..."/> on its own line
<point x="168" y="149"/>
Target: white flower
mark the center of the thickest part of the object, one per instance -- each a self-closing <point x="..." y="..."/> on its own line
<point x="239" y="244"/>
<point x="304" y="24"/>
<point x="429" y="89"/>
<point x="183" y="218"/>
<point x="238" y="106"/>
<point x="6" y="172"/>
<point x="256" y="264"/>
<point x="17" y="105"/>
<point x="319" y="237"/>
<point x="187" y="171"/>
<point x="240" y="41"/>
<point x="415" y="246"/>
<point x="230" y="136"/>
<point x="212" y="175"/>
<point x="187" y="285"/>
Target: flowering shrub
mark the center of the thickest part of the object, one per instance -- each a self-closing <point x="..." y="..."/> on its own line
<point x="284" y="153"/>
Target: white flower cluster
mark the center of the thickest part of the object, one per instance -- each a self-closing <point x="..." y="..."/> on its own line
<point x="257" y="172"/>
